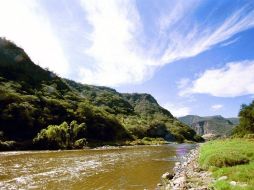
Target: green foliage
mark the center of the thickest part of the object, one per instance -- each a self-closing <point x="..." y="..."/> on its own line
<point x="81" y="143"/>
<point x="233" y="158"/>
<point x="145" y="105"/>
<point x="62" y="136"/>
<point x="246" y="125"/>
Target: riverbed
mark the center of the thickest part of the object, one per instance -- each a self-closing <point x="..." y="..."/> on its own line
<point x="134" y="168"/>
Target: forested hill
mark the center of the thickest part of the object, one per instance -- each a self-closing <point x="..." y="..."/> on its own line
<point x="216" y="125"/>
<point x="40" y="110"/>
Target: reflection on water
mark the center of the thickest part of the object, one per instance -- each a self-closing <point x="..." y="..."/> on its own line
<point x="122" y="168"/>
<point x="183" y="150"/>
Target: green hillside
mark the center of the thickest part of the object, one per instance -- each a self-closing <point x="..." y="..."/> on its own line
<point x="38" y="109"/>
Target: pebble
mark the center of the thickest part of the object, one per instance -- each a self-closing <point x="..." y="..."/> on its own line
<point x="222" y="178"/>
<point x="188" y="168"/>
<point x="233" y="183"/>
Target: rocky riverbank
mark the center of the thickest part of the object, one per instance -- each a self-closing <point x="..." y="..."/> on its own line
<point x="187" y="175"/>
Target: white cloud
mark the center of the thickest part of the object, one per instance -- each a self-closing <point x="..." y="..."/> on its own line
<point x="216" y="107"/>
<point x="234" y="79"/>
<point x="177" y="110"/>
<point x="25" y="23"/>
<point x="114" y="51"/>
<point x="117" y="56"/>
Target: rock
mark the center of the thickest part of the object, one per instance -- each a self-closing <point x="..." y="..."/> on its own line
<point x="159" y="185"/>
<point x="188" y="168"/>
<point x="223" y="178"/>
<point x="233" y="183"/>
<point x="180" y="180"/>
<point x="167" y="175"/>
<point x="243" y="185"/>
<point x="32" y="187"/>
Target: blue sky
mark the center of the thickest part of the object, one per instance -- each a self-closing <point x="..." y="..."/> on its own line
<point x="194" y="57"/>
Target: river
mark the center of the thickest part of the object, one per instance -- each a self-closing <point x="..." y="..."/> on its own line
<point x="131" y="168"/>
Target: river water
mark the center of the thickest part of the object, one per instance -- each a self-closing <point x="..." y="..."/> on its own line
<point x="131" y="168"/>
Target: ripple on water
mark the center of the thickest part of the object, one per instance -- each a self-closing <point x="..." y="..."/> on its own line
<point x="115" y="169"/>
<point x="53" y="170"/>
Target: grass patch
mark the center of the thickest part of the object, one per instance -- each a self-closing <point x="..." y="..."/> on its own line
<point x="233" y="158"/>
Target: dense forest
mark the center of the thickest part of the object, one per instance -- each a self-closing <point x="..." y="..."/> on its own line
<point x="39" y="110"/>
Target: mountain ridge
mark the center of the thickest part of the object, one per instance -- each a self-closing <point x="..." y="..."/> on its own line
<point x="216" y="125"/>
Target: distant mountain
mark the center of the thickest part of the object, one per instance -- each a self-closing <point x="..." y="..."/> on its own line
<point x="216" y="125"/>
<point x="234" y="120"/>
<point x="35" y="104"/>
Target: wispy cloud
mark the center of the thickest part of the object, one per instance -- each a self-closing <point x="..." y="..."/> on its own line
<point x="25" y="23"/>
<point x="183" y="83"/>
<point x="234" y="79"/>
<point x="227" y="43"/>
<point x="216" y="107"/>
<point x="120" y="58"/>
<point x="199" y="38"/>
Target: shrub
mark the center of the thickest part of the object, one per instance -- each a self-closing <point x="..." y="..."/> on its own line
<point x="60" y="136"/>
<point x="80" y="143"/>
<point x="225" y="159"/>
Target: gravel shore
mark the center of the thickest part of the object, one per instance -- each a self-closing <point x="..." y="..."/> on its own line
<point x="187" y="175"/>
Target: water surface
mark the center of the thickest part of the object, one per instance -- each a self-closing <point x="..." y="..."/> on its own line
<point x="138" y="167"/>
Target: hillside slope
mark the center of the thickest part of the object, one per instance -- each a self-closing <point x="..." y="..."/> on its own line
<point x="34" y="101"/>
<point x="216" y="125"/>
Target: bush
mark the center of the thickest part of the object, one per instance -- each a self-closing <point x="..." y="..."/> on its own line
<point x="81" y="143"/>
<point x="198" y="138"/>
<point x="61" y="136"/>
<point x="225" y="159"/>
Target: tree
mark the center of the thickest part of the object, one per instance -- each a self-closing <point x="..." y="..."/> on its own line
<point x="246" y="125"/>
<point x="61" y="136"/>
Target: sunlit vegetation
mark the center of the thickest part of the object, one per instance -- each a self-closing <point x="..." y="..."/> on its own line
<point x="246" y="125"/>
<point x="233" y="158"/>
<point x="37" y="104"/>
<point x="62" y="136"/>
